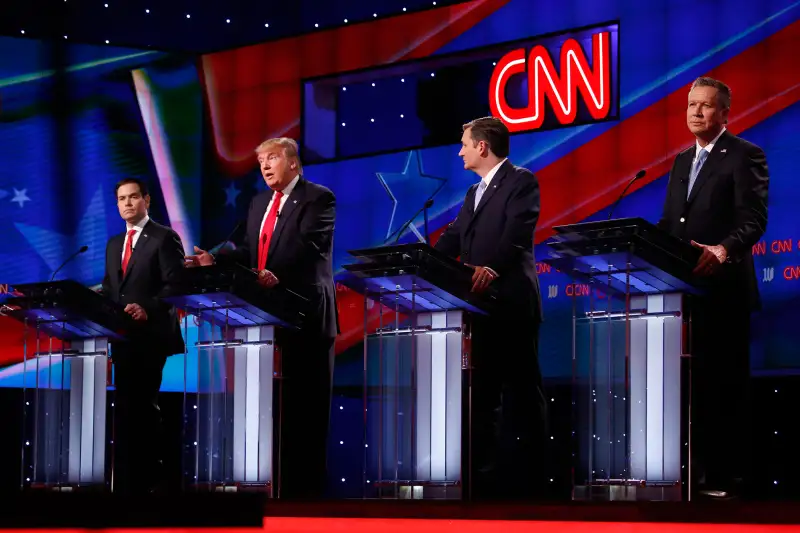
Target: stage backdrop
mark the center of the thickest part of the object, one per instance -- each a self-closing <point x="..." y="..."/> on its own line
<point x="378" y="109"/>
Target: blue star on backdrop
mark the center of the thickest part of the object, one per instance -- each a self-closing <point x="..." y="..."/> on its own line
<point x="54" y="247"/>
<point x="408" y="191"/>
<point x="231" y="193"/>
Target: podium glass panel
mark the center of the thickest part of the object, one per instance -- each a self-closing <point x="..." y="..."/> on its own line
<point x="232" y="382"/>
<point x="64" y="405"/>
<point x="629" y="408"/>
<point x="415" y="367"/>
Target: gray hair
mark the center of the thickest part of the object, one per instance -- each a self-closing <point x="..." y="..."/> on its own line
<point x="723" y="91"/>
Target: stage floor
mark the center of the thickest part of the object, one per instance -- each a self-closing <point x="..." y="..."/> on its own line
<point x="211" y="513"/>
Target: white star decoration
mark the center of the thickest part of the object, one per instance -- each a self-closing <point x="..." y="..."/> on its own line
<point x="21" y="196"/>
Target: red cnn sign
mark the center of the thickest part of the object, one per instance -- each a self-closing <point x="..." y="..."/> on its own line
<point x="560" y="87"/>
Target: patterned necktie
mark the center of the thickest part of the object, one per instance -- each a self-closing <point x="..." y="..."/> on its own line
<point x="128" y="251"/>
<point x="267" y="230"/>
<point x="479" y="194"/>
<point x="701" y="158"/>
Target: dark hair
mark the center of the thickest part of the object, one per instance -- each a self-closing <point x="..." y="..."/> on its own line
<point x="125" y="181"/>
<point x="492" y="131"/>
<point x="723" y="91"/>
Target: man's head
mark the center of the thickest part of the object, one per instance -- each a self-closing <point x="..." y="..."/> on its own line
<point x="279" y="162"/>
<point x="709" y="104"/>
<point x="484" y="143"/>
<point x="133" y="199"/>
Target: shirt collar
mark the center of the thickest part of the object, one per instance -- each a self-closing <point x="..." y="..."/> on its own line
<point x="139" y="226"/>
<point x="709" y="146"/>
<point x="289" y="188"/>
<point x="491" y="174"/>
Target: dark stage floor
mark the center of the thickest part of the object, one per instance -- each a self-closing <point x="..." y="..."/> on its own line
<point x="250" y="512"/>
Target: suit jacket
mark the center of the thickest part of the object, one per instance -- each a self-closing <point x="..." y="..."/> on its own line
<point x="301" y="250"/>
<point x="156" y="261"/>
<point x="499" y="235"/>
<point x="727" y="206"/>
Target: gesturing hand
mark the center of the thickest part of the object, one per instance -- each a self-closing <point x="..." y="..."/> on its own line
<point x="201" y="258"/>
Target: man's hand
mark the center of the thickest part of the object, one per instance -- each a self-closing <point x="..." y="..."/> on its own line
<point x="137" y="312"/>
<point x="712" y="258"/>
<point x="481" y="278"/>
<point x="267" y="279"/>
<point x="201" y="258"/>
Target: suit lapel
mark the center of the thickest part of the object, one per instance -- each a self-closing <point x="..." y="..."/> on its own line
<point x="684" y="169"/>
<point x="141" y="245"/>
<point x="115" y="261"/>
<point x="496" y="183"/>
<point x="258" y="219"/>
<point x="293" y="202"/>
<point x="714" y="158"/>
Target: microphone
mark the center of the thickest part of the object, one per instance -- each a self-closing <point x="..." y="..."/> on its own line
<point x="428" y="203"/>
<point x="70" y="258"/>
<point x="639" y="175"/>
<point x="425" y="208"/>
<point x="218" y="247"/>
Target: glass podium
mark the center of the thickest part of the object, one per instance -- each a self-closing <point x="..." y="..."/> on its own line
<point x="232" y="378"/>
<point x="66" y="370"/>
<point x="631" y="291"/>
<point x="416" y="372"/>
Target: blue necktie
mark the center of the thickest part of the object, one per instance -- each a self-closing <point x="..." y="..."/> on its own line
<point x="701" y="158"/>
<point x="478" y="194"/>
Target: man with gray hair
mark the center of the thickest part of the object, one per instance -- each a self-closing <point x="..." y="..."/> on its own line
<point x="717" y="200"/>
<point x="289" y="241"/>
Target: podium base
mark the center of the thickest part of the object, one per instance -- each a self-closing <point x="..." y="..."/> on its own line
<point x="417" y="490"/>
<point x="235" y="486"/>
<point x="628" y="492"/>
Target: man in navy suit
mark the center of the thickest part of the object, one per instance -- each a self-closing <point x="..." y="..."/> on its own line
<point x="289" y="240"/>
<point x="493" y="233"/>
<point x="141" y="266"/>
<point x="717" y="200"/>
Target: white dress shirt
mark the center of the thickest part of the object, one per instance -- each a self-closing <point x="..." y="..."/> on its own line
<point x="491" y="174"/>
<point x="488" y="180"/>
<point x="708" y="147"/>
<point x="286" y="192"/>
<point x="139" y="227"/>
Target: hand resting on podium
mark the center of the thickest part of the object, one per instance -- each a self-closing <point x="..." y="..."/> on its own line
<point x="481" y="278"/>
<point x="710" y="260"/>
<point x="136" y="311"/>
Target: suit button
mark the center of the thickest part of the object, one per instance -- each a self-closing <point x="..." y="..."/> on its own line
<point x="683" y="219"/>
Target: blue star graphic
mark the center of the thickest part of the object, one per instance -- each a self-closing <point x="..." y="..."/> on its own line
<point x="260" y="185"/>
<point x="54" y="247"/>
<point x="231" y="192"/>
<point x="20" y="196"/>
<point x="408" y="191"/>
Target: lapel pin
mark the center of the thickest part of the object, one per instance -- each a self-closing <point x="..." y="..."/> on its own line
<point x="724" y="151"/>
<point x="295" y="201"/>
<point x="144" y="234"/>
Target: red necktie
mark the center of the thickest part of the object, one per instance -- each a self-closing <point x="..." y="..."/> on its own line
<point x="267" y="230"/>
<point x="128" y="251"/>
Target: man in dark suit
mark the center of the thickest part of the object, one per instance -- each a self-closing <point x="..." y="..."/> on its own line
<point x="493" y="233"/>
<point x="717" y="200"/>
<point x="140" y="265"/>
<point x="289" y="240"/>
